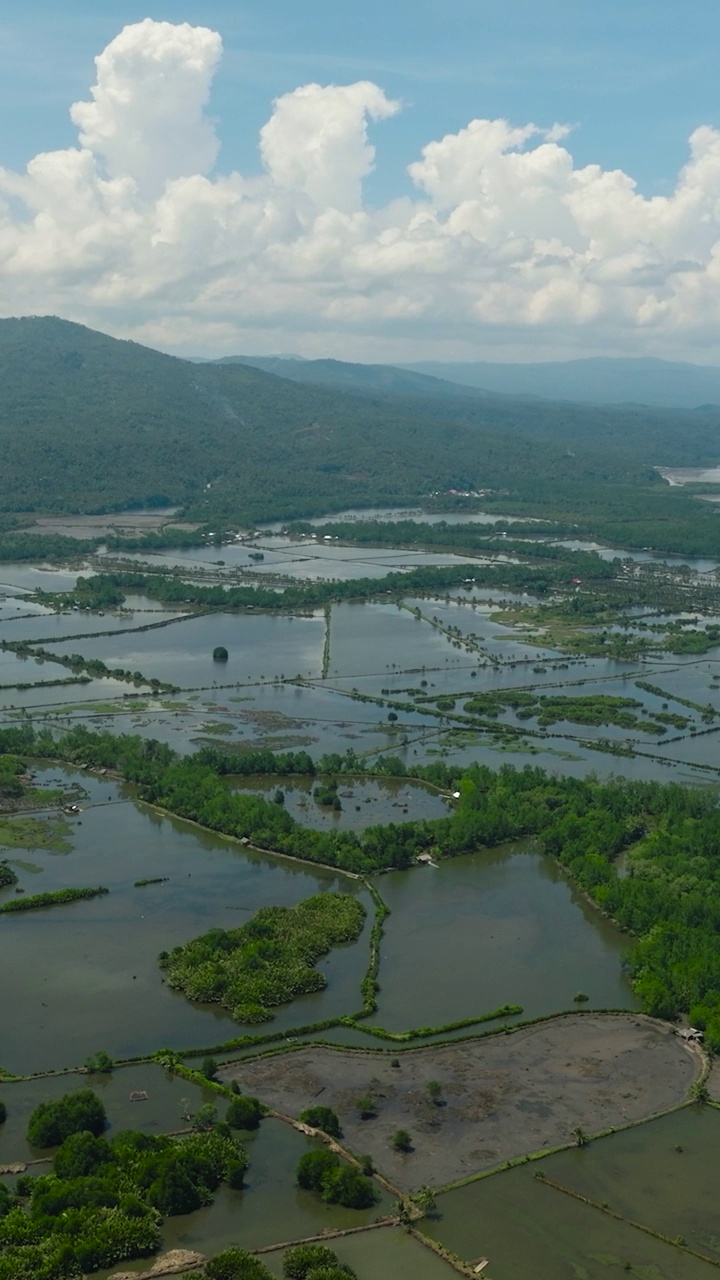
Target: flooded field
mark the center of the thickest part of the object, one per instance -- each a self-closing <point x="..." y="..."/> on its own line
<point x="368" y="683"/>
<point x="81" y="985"/>
<point x="660" y="1175"/>
<point x="489" y="929"/>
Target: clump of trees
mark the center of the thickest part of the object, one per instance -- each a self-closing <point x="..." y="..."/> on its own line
<point x="7" y="875"/>
<point x="322" y="1118"/>
<point x="334" y="1181"/>
<point x="244" y="1112"/>
<point x="57" y="1119"/>
<point x="103" y="1201"/>
<point x="236" y="1264"/>
<point x="268" y="961"/>
<point x="315" y="1262"/>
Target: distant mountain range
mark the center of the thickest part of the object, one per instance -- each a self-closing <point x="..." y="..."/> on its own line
<point x="595" y="381"/>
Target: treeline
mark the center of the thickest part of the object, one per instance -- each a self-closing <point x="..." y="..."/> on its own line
<point x="53" y="899"/>
<point x="668" y="895"/>
<point x="500" y="538"/>
<point x="98" y="590"/>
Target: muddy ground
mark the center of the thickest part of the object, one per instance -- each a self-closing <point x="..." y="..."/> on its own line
<point x="502" y="1096"/>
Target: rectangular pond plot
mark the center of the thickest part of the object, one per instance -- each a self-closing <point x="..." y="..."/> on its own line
<point x="15" y="669"/>
<point x="62" y="700"/>
<point x="377" y="639"/>
<point x="692" y="678"/>
<point x="526" y="1229"/>
<point x="663" y="1174"/>
<point x="360" y="804"/>
<point x="86" y="973"/>
<point x="489" y="929"/>
<point x="34" y="577"/>
<point x="270" y="1210"/>
<point x="387" y="1253"/>
<point x="50" y="627"/>
<point x="144" y="1097"/>
<point x="259" y="646"/>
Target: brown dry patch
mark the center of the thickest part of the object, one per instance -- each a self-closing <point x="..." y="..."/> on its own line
<point x="503" y="1096"/>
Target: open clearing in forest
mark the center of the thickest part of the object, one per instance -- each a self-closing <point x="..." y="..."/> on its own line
<point x="502" y="1096"/>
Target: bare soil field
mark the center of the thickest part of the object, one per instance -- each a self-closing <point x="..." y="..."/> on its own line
<point x="502" y="1096"/>
<point x="129" y="523"/>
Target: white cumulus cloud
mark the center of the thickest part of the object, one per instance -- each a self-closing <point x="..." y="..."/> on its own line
<point x="146" y="119"/>
<point x="502" y="241"/>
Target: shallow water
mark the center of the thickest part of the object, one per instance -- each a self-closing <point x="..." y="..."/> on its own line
<point x="528" y="1230"/>
<point x="364" y="803"/>
<point x="489" y="929"/>
<point x="260" y="647"/>
<point x="641" y="1174"/>
<point x="86" y="975"/>
<point x="270" y="1210"/>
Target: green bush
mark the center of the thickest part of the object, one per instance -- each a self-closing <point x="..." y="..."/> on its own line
<point x="244" y="1113"/>
<point x="314" y="1262"/>
<point x="348" y="1187"/>
<point x="312" y="1168"/>
<point x="322" y="1118"/>
<point x="81" y="1155"/>
<point x="401" y="1140"/>
<point x="54" y="1121"/>
<point x="236" y="1264"/>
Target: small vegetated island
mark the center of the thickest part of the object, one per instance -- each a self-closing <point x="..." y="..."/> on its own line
<point x="268" y="961"/>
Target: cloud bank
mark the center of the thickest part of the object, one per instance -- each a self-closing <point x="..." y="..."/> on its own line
<point x="503" y="242"/>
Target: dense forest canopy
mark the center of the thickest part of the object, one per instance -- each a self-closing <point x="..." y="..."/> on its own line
<point x="88" y="423"/>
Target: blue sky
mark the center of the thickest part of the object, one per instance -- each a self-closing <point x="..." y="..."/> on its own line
<point x="634" y="78"/>
<point x="498" y="245"/>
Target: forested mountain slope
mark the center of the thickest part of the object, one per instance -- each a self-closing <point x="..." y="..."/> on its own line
<point x="651" y="434"/>
<point x="88" y="423"/>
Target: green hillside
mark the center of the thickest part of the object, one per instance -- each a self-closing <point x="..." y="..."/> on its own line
<point x="88" y="423"/>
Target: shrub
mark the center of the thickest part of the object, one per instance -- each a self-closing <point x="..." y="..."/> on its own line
<point x="312" y="1168"/>
<point x="236" y="1264"/>
<point x="367" y="1107"/>
<point x="52" y="1122"/>
<point x="99" y="1062"/>
<point x="304" y="1257"/>
<point x="348" y="1187"/>
<point x="322" y="1118"/>
<point x="244" y="1113"/>
<point x="434" y="1089"/>
<point x="81" y="1155"/>
<point x="220" y="653"/>
<point x="401" y="1140"/>
<point x="315" y="1262"/>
